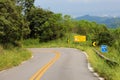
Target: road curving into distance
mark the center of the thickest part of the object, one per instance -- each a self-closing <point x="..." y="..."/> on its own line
<point x="39" y="74"/>
<point x="51" y="64"/>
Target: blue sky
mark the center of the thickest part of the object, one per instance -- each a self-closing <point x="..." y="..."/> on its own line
<point x="82" y="7"/>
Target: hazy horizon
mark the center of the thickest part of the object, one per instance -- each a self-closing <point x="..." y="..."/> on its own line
<point x="77" y="8"/>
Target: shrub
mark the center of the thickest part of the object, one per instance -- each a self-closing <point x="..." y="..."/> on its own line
<point x="105" y="38"/>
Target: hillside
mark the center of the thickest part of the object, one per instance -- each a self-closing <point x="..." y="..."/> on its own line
<point x="111" y="22"/>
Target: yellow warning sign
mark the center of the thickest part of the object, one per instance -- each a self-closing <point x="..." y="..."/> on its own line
<point x="94" y="44"/>
<point x="79" y="38"/>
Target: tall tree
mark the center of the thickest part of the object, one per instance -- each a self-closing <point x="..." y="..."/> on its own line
<point x="68" y="23"/>
<point x="45" y="25"/>
<point x="12" y="24"/>
<point x="37" y="17"/>
<point x="52" y="29"/>
<point x="26" y="5"/>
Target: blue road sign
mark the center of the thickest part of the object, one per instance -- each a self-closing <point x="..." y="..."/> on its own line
<point x="104" y="48"/>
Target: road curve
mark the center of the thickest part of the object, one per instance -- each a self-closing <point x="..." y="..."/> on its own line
<point x="58" y="64"/>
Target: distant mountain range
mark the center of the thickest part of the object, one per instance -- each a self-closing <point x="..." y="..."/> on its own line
<point x="111" y="22"/>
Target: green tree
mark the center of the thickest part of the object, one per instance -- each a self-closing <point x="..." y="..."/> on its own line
<point x="12" y="24"/>
<point x="45" y="25"/>
<point x="83" y="27"/>
<point x="116" y="34"/>
<point x="90" y="29"/>
<point x="68" y="23"/>
<point x="105" y="38"/>
<point x="52" y="29"/>
<point x="26" y="5"/>
<point x="37" y="17"/>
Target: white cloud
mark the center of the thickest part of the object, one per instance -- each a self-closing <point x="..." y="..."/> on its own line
<point x="91" y="1"/>
<point x="86" y="1"/>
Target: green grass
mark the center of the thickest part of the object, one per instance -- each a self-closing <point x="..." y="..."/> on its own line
<point x="33" y="43"/>
<point x="99" y="65"/>
<point x="62" y="42"/>
<point x="13" y="57"/>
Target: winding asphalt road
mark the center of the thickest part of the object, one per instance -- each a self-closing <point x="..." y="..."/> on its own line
<point x="51" y="64"/>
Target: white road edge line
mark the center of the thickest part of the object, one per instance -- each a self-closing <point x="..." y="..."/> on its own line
<point x="92" y="70"/>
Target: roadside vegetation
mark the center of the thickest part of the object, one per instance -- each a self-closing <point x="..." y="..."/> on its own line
<point x="12" y="57"/>
<point x="23" y="25"/>
<point x="100" y="66"/>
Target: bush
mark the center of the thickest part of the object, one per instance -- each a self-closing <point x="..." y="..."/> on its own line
<point x="13" y="57"/>
<point x="1" y="49"/>
<point x="117" y="45"/>
<point x="105" y="38"/>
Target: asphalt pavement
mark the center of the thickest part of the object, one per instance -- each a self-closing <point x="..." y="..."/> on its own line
<point x="71" y="64"/>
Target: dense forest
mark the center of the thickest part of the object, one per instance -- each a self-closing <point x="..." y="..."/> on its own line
<point x="110" y="21"/>
<point x="21" y="20"/>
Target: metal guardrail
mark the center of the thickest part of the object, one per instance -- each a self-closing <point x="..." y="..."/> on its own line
<point x="108" y="61"/>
